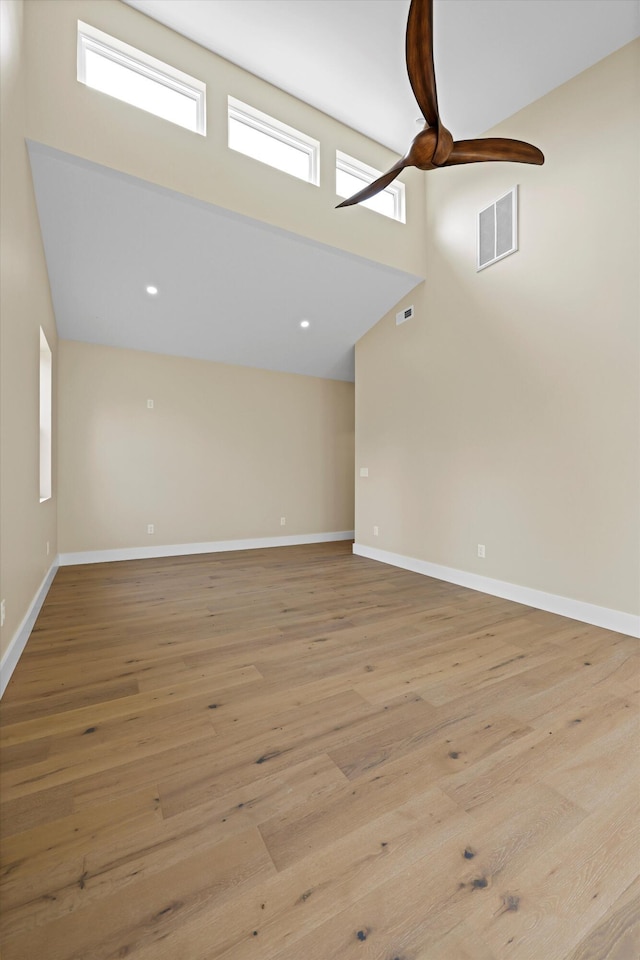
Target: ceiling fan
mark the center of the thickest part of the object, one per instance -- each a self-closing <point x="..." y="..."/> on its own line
<point x="434" y="146"/>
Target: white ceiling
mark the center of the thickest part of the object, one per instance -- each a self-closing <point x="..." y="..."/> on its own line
<point x="231" y="289"/>
<point x="235" y="290"/>
<point x="346" y="57"/>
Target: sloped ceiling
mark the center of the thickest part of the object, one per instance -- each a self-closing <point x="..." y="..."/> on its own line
<point x="234" y="290"/>
<point x="346" y="57"/>
<point x="230" y="288"/>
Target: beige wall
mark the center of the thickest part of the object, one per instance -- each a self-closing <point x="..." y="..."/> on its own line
<point x="25" y="305"/>
<point x="507" y="412"/>
<point x="69" y="116"/>
<point x="224" y="453"/>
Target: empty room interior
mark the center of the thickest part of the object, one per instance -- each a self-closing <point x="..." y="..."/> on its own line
<point x="320" y="556"/>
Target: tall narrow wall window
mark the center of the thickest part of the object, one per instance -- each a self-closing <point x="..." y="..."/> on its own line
<point x="269" y="140"/>
<point x="46" y="395"/>
<point x="352" y="175"/>
<point x="114" y="67"/>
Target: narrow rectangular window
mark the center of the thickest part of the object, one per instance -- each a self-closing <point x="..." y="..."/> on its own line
<point x="272" y="142"/>
<point x="352" y="175"/>
<point x="113" y="67"/>
<point x="46" y="394"/>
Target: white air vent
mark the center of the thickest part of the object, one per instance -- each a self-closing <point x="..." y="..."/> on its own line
<point x="498" y="229"/>
<point x="404" y="315"/>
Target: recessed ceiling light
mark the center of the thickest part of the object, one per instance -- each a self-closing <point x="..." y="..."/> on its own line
<point x="304" y="323"/>
<point x="152" y="291"/>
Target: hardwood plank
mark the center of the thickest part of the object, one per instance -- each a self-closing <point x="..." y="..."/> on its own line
<point x="115" y="781"/>
<point x="459" y="944"/>
<point x="410" y="913"/>
<point x="121" y="923"/>
<point x="16" y="709"/>
<point x="23" y="852"/>
<point x="311" y="731"/>
<point x="44" y="866"/>
<point x="292" y="836"/>
<point x="147" y="845"/>
<point x="287" y="906"/>
<point x="542" y="752"/>
<point x="567" y="889"/>
<point x="22" y="754"/>
<point x="617" y="937"/>
<point x="43" y="806"/>
<point x="466" y="739"/>
<point x="91" y="757"/>
<point x="299" y="752"/>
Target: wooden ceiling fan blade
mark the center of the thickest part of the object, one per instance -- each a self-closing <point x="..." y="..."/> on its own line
<point x="493" y="148"/>
<point x="419" y="49"/>
<point x="372" y="188"/>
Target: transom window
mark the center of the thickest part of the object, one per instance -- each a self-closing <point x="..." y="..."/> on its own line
<point x="113" y="67"/>
<point x="270" y="141"/>
<point x="352" y="175"/>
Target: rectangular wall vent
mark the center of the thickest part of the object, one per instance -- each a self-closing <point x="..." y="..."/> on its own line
<point x="497" y="234"/>
<point x="404" y="315"/>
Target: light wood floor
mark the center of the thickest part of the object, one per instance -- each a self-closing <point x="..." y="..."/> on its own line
<point x="297" y="754"/>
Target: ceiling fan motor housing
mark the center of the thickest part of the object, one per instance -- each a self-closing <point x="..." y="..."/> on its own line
<point x="434" y="146"/>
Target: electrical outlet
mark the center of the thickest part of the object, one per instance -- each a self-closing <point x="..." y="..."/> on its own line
<point x="151" y="528"/>
<point x="149" y="404"/>
<point x="364" y="471"/>
<point x="481" y="551"/>
<point x="3" y="611"/>
<point x="375" y="531"/>
<point x="283" y="521"/>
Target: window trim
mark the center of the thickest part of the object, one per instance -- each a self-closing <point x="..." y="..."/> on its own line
<point x="45" y="419"/>
<point x="367" y="174"/>
<point x="269" y="126"/>
<point x="94" y="40"/>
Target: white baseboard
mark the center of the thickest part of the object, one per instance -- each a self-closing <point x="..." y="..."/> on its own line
<point x="575" y="609"/>
<point x="19" y="641"/>
<point x="185" y="549"/>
